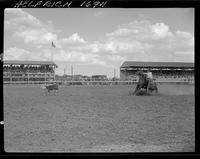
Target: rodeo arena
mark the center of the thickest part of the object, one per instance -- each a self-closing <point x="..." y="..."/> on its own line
<point x="149" y="108"/>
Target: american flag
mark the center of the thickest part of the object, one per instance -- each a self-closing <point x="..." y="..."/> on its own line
<point x="53" y="44"/>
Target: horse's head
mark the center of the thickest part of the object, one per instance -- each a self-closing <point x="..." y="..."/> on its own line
<point x="139" y="73"/>
<point x="142" y="79"/>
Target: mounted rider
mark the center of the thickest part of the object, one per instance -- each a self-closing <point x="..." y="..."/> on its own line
<point x="142" y="82"/>
<point x="149" y="76"/>
<point x="150" y="79"/>
<point x="146" y="81"/>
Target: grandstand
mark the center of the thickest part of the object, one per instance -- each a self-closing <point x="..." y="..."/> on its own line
<point x="162" y="71"/>
<point x="28" y="71"/>
<point x="44" y="71"/>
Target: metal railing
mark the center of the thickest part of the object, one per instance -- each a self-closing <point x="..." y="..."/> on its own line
<point x="94" y="82"/>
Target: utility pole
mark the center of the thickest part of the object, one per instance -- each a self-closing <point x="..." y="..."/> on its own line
<point x="114" y="72"/>
<point x="54" y="46"/>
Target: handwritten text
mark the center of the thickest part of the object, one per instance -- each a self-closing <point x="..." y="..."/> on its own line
<point x="58" y="4"/>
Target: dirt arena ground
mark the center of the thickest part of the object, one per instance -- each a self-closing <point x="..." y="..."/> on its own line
<point x="99" y="119"/>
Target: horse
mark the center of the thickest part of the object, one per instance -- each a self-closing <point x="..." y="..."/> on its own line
<point x="142" y="82"/>
<point x="152" y="86"/>
<point x="49" y="88"/>
<point x="144" y="85"/>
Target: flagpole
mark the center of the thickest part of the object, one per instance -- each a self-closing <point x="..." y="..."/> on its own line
<point x="51" y="56"/>
<point x="53" y="45"/>
<point x="52" y="51"/>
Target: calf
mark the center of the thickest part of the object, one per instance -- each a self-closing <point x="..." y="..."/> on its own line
<point x="51" y="87"/>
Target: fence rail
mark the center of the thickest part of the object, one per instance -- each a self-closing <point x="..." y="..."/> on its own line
<point x="92" y="82"/>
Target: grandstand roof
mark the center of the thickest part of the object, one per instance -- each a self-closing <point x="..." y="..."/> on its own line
<point x="156" y="64"/>
<point x="16" y="62"/>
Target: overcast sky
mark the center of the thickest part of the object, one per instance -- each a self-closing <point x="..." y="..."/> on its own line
<point x="96" y="40"/>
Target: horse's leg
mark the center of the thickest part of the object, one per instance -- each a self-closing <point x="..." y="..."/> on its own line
<point x="147" y="88"/>
<point x="136" y="89"/>
<point x="156" y="88"/>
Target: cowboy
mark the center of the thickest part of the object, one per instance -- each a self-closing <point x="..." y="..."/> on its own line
<point x="149" y="75"/>
<point x="150" y="80"/>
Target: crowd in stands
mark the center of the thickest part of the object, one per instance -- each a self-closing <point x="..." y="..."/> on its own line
<point x="159" y="75"/>
<point x="164" y="75"/>
<point x="30" y="69"/>
<point x="174" y="74"/>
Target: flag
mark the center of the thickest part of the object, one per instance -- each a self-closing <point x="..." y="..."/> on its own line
<point x="53" y="44"/>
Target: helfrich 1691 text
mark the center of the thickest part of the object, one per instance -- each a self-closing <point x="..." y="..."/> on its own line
<point x="59" y="4"/>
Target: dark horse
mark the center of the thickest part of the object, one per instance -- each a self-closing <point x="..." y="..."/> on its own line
<point x="144" y="83"/>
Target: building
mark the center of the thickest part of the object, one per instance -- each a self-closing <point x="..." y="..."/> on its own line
<point x="99" y="78"/>
<point x="159" y="69"/>
<point x="27" y="71"/>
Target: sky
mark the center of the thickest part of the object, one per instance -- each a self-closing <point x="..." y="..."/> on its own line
<point x="96" y="41"/>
